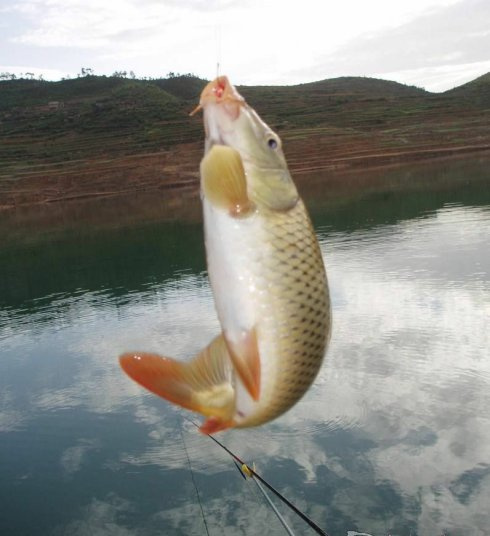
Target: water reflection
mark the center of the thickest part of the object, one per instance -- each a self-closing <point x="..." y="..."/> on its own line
<point x="392" y="438"/>
<point x="409" y="345"/>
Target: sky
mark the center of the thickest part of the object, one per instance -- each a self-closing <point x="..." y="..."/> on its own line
<point x="434" y="44"/>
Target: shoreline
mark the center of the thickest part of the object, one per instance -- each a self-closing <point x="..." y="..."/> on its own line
<point x="178" y="169"/>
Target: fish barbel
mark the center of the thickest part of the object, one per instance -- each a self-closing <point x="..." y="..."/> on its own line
<point x="266" y="272"/>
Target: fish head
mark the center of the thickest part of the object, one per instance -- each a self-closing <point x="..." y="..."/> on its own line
<point x="230" y="121"/>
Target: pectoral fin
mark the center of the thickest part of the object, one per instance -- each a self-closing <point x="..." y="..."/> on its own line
<point x="223" y="180"/>
<point x="202" y="385"/>
<point x="244" y="353"/>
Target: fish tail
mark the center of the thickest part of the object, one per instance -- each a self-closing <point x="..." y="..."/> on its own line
<point x="202" y="385"/>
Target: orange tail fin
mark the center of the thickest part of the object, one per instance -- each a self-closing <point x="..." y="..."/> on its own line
<point x="202" y="385"/>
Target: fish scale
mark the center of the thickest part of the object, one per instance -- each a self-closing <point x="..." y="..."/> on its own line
<point x="296" y="299"/>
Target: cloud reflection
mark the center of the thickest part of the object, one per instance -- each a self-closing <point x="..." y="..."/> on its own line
<point x="100" y="518"/>
<point x="72" y="457"/>
<point x="11" y="418"/>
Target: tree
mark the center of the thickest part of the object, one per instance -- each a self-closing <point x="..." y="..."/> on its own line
<point x="86" y="71"/>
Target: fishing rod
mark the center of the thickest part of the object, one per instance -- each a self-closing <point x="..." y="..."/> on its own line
<point x="244" y="470"/>
<point x="252" y="473"/>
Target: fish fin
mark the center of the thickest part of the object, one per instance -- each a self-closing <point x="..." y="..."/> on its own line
<point x="246" y="359"/>
<point x="223" y="180"/>
<point x="215" y="424"/>
<point x="202" y="385"/>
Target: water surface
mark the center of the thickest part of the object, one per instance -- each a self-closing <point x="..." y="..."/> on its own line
<point x="391" y="439"/>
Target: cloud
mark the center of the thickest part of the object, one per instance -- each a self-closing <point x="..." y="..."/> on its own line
<point x="450" y="38"/>
<point x="439" y="78"/>
<point x="87" y="24"/>
<point x="314" y="41"/>
<point x="430" y="40"/>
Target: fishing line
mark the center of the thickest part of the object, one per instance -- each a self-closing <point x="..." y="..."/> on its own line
<point x="296" y="510"/>
<point x="217" y="36"/>
<point x="194" y="482"/>
<point x="283" y="522"/>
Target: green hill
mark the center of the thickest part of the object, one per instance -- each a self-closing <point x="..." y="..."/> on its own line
<point x="183" y="87"/>
<point x="356" y="85"/>
<point x="478" y="89"/>
<point x="91" y="124"/>
<point x="86" y="117"/>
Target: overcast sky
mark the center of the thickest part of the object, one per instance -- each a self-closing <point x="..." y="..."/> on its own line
<point x="435" y="44"/>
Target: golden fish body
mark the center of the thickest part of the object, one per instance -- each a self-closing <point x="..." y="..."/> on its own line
<point x="282" y="295"/>
<point x="267" y="275"/>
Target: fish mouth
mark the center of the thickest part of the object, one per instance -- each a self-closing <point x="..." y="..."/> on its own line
<point x="220" y="91"/>
<point x="221" y="104"/>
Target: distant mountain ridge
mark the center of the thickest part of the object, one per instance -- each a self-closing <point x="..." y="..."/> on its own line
<point x="21" y="92"/>
<point x="365" y="85"/>
<point x="90" y="126"/>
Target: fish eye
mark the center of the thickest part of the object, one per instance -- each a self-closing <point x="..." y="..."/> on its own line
<point x="272" y="143"/>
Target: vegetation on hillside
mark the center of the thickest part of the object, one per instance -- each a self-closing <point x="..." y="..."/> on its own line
<point x="478" y="89"/>
<point x="92" y="125"/>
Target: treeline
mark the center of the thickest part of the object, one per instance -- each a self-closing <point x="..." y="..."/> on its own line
<point x="21" y="76"/>
<point x="88" y="72"/>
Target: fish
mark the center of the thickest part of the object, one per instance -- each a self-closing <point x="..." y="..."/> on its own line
<point x="266" y="273"/>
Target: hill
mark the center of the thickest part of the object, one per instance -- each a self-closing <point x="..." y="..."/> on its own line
<point x="352" y="85"/>
<point x="478" y="89"/>
<point x="100" y="135"/>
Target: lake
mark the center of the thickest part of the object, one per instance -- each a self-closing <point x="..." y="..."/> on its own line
<point x="392" y="439"/>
